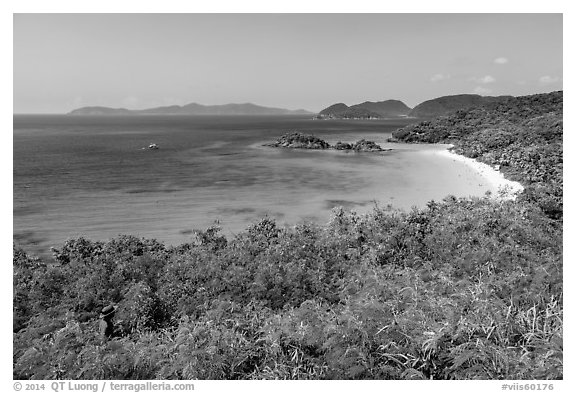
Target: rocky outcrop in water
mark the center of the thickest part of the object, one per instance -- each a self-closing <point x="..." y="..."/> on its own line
<point x="342" y="146"/>
<point x="298" y="140"/>
<point x="364" y="145"/>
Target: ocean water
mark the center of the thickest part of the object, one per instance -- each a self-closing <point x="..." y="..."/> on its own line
<point x="93" y="177"/>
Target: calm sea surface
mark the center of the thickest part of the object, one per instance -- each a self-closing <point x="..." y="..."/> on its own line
<point x="89" y="176"/>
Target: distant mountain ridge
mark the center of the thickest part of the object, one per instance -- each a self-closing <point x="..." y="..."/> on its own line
<point x="191" y="109"/>
<point x="365" y="110"/>
<point x="440" y="106"/>
<point x="448" y="104"/>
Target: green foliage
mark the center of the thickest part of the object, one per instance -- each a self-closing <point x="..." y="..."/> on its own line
<point x="462" y="289"/>
<point x="211" y="238"/>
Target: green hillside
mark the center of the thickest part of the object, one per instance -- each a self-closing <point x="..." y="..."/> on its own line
<point x="446" y="105"/>
<point x="522" y="136"/>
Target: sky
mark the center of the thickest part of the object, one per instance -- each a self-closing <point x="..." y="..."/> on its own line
<point x="309" y="61"/>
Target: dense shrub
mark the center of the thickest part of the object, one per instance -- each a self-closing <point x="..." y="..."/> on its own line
<point x="461" y="289"/>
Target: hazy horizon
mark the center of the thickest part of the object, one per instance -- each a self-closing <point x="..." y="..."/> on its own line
<point x="292" y="61"/>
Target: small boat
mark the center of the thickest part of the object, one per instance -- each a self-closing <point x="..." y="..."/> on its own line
<point x="153" y="146"/>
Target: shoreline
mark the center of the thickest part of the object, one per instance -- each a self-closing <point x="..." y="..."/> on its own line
<point x="505" y="189"/>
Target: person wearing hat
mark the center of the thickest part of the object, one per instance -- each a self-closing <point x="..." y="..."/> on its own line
<point x="106" y="325"/>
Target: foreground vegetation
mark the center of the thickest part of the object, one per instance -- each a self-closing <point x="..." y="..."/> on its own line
<point x="462" y="289"/>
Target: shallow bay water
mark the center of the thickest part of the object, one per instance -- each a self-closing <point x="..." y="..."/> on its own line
<point x="93" y="176"/>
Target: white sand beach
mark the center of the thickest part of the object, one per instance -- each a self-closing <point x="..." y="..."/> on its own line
<point x="506" y="189"/>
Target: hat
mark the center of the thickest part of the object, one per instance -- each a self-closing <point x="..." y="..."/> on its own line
<point x="108" y="310"/>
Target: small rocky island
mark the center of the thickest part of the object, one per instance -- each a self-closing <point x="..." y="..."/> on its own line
<point x="297" y="140"/>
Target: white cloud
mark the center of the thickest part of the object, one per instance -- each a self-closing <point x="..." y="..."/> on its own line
<point x="547" y="79"/>
<point x="487" y="79"/>
<point x="500" y="60"/>
<point x="439" y="77"/>
<point x="483" y="80"/>
<point x="482" y="90"/>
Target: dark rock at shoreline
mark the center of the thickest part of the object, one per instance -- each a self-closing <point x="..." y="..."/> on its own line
<point x="342" y="146"/>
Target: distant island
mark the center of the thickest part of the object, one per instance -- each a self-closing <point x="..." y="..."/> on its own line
<point x="296" y="140"/>
<point x="388" y="109"/>
<point x="192" y="109"/>
<point x="440" y="106"/>
<point x="365" y="110"/>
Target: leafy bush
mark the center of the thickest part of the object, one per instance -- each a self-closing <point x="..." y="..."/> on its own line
<point x="466" y="288"/>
